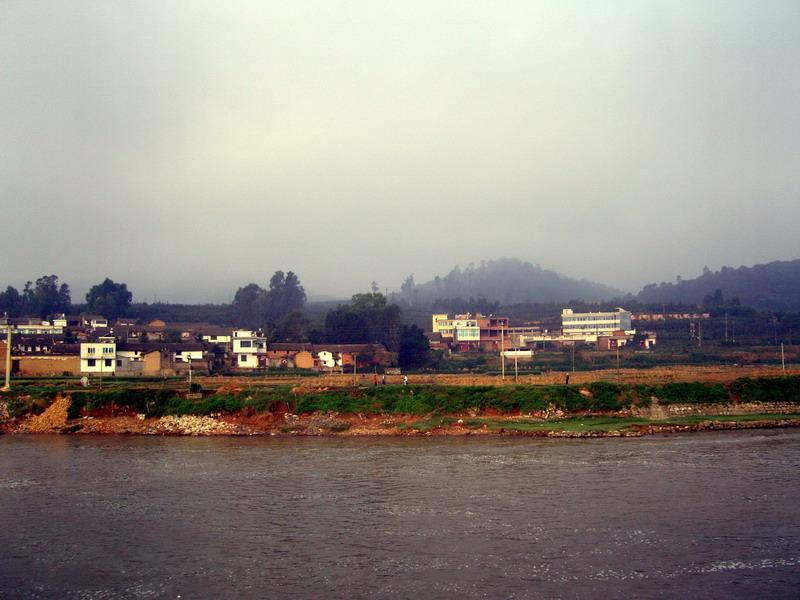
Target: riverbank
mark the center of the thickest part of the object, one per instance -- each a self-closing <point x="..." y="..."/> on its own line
<point x="694" y="419"/>
<point x="599" y="408"/>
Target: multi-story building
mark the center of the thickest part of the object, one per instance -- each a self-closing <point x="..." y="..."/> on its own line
<point x="588" y="326"/>
<point x="249" y="349"/>
<point x="99" y="357"/>
<point x="471" y="332"/>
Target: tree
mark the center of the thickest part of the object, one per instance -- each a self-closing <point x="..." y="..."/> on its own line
<point x="11" y="302"/>
<point x="110" y="299"/>
<point x="46" y="297"/>
<point x="256" y="307"/>
<point x="415" y="348"/>
<point x="292" y="328"/>
<point x="367" y="319"/>
<point x="249" y="306"/>
<point x="284" y="296"/>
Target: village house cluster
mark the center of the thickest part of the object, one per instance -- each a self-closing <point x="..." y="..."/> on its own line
<point x="479" y="333"/>
<point x="90" y="345"/>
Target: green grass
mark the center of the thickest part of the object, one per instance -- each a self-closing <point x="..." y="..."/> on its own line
<point x="577" y="424"/>
<point x="696" y="419"/>
<point x="587" y="423"/>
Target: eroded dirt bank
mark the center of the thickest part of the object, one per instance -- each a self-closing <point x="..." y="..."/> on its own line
<point x="630" y="423"/>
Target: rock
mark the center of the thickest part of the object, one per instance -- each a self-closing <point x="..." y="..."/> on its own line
<point x="193" y="425"/>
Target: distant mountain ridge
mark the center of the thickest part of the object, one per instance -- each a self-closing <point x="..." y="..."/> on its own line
<point x="505" y="280"/>
<point x="771" y="286"/>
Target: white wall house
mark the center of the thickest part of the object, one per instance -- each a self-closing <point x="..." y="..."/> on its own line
<point x="194" y="354"/>
<point x="38" y="328"/>
<point x="249" y="349"/>
<point x="99" y="357"/>
<point x="216" y="339"/>
<point x="95" y="321"/>
<point x="329" y="360"/>
<point x="129" y="361"/>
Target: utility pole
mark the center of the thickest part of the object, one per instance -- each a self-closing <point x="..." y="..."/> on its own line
<point x="726" y="326"/>
<point x="190" y="371"/>
<point x="516" y="373"/>
<point x="618" y="362"/>
<point x="7" y="322"/>
<point x="783" y="361"/>
<point x="502" y="353"/>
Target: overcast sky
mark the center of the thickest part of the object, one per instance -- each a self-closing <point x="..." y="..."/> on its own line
<point x="188" y="148"/>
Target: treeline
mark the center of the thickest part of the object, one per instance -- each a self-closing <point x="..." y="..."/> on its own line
<point x="506" y="281"/>
<point x="46" y="297"/>
<point x="773" y="286"/>
<point x="277" y="309"/>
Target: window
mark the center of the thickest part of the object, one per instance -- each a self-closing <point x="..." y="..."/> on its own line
<point x="108" y="350"/>
<point x="90" y="350"/>
<point x="108" y="362"/>
<point x="242" y="358"/>
<point x="90" y="362"/>
<point x="246" y="344"/>
<point x="119" y="363"/>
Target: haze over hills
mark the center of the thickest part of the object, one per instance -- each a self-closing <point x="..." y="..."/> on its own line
<point x="771" y="286"/>
<point x="505" y="280"/>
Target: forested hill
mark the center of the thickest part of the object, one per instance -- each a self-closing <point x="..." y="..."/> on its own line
<point x="507" y="281"/>
<point x="773" y="286"/>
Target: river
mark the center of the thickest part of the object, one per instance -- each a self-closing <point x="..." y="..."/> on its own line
<point x="712" y="515"/>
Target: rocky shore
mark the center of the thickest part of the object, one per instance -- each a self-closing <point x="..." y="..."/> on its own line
<point x="549" y="424"/>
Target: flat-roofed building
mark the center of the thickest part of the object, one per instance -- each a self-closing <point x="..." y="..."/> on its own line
<point x="588" y="326"/>
<point x="99" y="357"/>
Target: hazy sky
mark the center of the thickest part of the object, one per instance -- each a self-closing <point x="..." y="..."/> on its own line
<point x="188" y="148"/>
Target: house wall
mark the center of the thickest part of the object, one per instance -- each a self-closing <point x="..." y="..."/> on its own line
<point x="304" y="360"/>
<point x="247" y="361"/>
<point x="151" y="364"/>
<point x="47" y="365"/>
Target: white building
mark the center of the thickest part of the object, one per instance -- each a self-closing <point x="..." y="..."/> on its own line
<point x="588" y="326"/>
<point x="37" y="327"/>
<point x="461" y="328"/>
<point x="95" y="321"/>
<point x="186" y="355"/>
<point x="249" y="349"/>
<point x="329" y="359"/>
<point x="99" y="357"/>
<point x="216" y="338"/>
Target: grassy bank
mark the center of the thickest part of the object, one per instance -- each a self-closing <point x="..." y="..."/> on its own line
<point x="436" y="400"/>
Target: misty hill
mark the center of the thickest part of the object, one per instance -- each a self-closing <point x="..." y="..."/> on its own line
<point x="773" y="286"/>
<point x="505" y="280"/>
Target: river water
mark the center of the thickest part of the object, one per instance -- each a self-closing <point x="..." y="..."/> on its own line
<point x="712" y="515"/>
